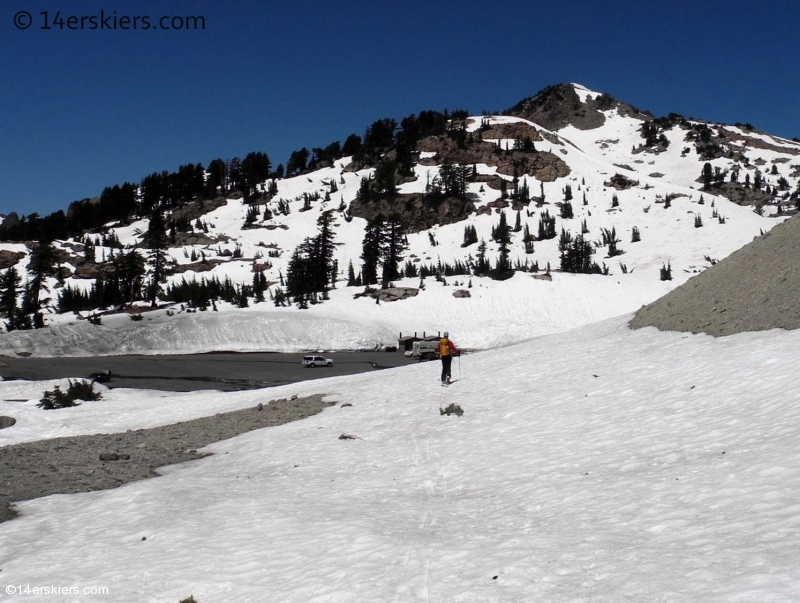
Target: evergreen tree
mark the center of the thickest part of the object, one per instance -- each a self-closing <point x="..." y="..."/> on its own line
<point x="547" y="226"/>
<point x="129" y="268"/>
<point x="351" y="275"/>
<point x="576" y="257"/>
<point x="42" y="264"/>
<point x="393" y="246"/>
<point x="323" y="248"/>
<point x="503" y="237"/>
<point x="156" y="240"/>
<point x="481" y="263"/>
<point x="10" y="282"/>
<point x="470" y="235"/>
<point x="707" y="176"/>
<point x="372" y="251"/>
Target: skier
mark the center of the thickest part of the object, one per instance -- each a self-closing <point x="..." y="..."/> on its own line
<point x="446" y="351"/>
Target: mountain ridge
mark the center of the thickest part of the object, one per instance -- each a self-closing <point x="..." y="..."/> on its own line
<point x="629" y="177"/>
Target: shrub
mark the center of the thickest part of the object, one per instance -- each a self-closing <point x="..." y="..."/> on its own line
<point x="451" y="409"/>
<point x="77" y="390"/>
<point x="666" y="272"/>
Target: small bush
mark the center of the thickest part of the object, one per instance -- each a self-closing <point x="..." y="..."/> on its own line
<point x="666" y="272"/>
<point x="451" y="409"/>
<point x="77" y="390"/>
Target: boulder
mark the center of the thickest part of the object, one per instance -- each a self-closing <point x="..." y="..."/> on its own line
<point x="7" y="422"/>
<point x="461" y="293"/>
<point x="10" y="258"/>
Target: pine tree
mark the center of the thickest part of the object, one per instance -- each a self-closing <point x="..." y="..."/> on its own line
<point x="547" y="226"/>
<point x="481" y="263"/>
<point x="351" y="275"/>
<point x="10" y="282"/>
<point x="129" y="268"/>
<point x="707" y="175"/>
<point x="156" y="240"/>
<point x="503" y="237"/>
<point x="42" y="264"/>
<point x="371" y="251"/>
<point x="393" y="246"/>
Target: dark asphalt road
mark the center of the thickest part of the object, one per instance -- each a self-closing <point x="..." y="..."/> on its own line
<point x="220" y="371"/>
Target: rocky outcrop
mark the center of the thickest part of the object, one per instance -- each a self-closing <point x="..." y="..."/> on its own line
<point x="92" y="271"/>
<point x="737" y="193"/>
<point x="620" y="182"/>
<point x="417" y="211"/>
<point x="10" y="258"/>
<point x="462" y="293"/>
<point x="558" y="106"/>
<point x="542" y="165"/>
<point x="202" y="266"/>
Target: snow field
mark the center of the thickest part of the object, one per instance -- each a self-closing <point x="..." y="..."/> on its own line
<point x="600" y="464"/>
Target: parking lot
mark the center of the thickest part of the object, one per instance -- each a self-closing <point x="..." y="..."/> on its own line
<point x="221" y="371"/>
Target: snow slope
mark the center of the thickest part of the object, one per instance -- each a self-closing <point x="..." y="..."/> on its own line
<point x="601" y="464"/>
<point x="498" y="313"/>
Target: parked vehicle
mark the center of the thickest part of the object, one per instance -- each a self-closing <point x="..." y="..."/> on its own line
<point x="315" y="361"/>
<point x="425" y="350"/>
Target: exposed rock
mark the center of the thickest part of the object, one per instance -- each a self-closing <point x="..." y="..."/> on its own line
<point x="197" y="238"/>
<point x="515" y="131"/>
<point x="417" y="212"/>
<point x="620" y="182"/>
<point x="461" y="293"/>
<point x="543" y="277"/>
<point x="540" y="164"/>
<point x="483" y="210"/>
<point x="202" y="266"/>
<point x="6" y="422"/>
<point x="395" y="293"/>
<point x="558" y="106"/>
<point x="737" y="193"/>
<point x="656" y="175"/>
<point x="92" y="271"/>
<point x="10" y="258"/>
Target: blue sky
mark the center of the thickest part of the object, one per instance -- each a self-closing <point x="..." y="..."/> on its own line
<point x="83" y="109"/>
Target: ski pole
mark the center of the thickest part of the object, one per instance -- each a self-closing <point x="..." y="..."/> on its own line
<point x="459" y="366"/>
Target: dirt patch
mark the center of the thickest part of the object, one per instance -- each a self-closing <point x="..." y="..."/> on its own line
<point x="753" y="289"/>
<point x="70" y="465"/>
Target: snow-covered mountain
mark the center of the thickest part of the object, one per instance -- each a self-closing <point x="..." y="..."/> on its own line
<point x="624" y="169"/>
<point x="596" y="463"/>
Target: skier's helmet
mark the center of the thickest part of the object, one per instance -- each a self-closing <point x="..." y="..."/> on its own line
<point x="446" y="334"/>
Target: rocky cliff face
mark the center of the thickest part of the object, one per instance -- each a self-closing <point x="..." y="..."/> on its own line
<point x="558" y="106"/>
